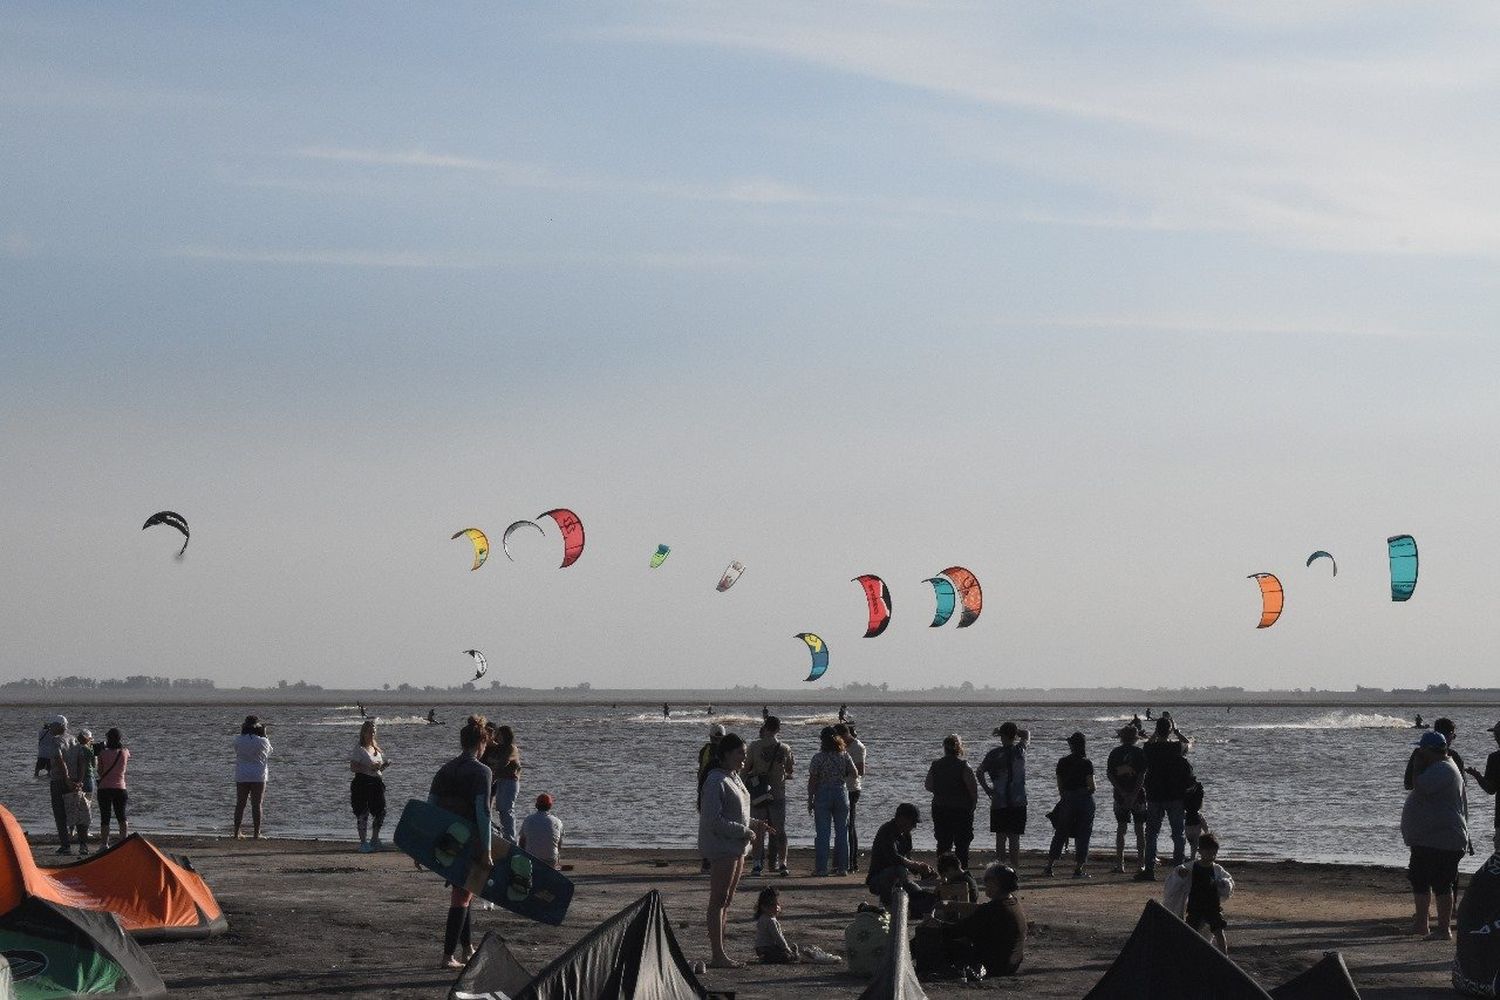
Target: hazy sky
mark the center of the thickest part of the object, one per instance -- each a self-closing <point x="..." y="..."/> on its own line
<point x="1113" y="304"/>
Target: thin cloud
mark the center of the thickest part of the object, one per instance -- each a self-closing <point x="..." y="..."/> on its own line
<point x="1219" y="326"/>
<point x="415" y="260"/>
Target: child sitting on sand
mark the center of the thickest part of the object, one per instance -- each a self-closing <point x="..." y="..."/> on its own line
<point x="1192" y="808"/>
<point x="1196" y="892"/>
<point x="954" y="884"/>
<point x="770" y="944"/>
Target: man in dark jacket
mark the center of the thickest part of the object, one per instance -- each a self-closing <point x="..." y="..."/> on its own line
<point x="1168" y="775"/>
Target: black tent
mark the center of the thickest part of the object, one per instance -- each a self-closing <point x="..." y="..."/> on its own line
<point x="58" y="951"/>
<point x="631" y="956"/>
<point x="897" y="979"/>
<point x="1165" y="959"/>
<point x="493" y="972"/>
<point x="1476" y="966"/>
<point x="1328" y="980"/>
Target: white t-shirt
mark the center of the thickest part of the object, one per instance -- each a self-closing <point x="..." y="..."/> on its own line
<point x="366" y="761"/>
<point x="856" y="752"/>
<point x="251" y="753"/>
<point x="541" y="836"/>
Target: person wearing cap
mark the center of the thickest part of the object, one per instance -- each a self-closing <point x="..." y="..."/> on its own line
<point x="1490" y="779"/>
<point x="1002" y="775"/>
<point x="80" y="765"/>
<point x="1074" y="815"/>
<point x="1450" y="733"/>
<point x="855" y="748"/>
<point x="828" y="801"/>
<point x="1126" y="770"/>
<point x="891" y="863"/>
<point x="61" y="782"/>
<point x="955" y="794"/>
<point x="542" y="832"/>
<point x="1433" y="826"/>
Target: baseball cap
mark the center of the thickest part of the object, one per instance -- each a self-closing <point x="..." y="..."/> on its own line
<point x="60" y="720"/>
<point x="84" y="734"/>
<point x="716" y="730"/>
<point x="1433" y="739"/>
<point x="544" y="801"/>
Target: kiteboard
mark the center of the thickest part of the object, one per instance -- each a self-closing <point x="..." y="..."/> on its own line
<point x="445" y="843"/>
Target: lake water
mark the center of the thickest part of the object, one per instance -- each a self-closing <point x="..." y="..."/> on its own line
<point x="1313" y="784"/>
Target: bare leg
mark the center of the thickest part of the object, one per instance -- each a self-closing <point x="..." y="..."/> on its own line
<point x="257" y="798"/>
<point x="1419" y="920"/>
<point x="1014" y="840"/>
<point x="1140" y="843"/>
<point x="1120" y="846"/>
<point x="721" y="878"/>
<point x="104" y="831"/>
<point x="1444" y="915"/>
<point x="1221" y="942"/>
<point x="241" y="795"/>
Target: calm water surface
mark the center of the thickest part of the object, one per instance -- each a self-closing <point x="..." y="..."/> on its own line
<point x="1314" y="784"/>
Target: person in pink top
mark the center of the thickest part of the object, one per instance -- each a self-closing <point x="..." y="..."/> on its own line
<point x="113" y="760"/>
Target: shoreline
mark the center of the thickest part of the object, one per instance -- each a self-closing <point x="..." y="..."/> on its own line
<point x="315" y="916"/>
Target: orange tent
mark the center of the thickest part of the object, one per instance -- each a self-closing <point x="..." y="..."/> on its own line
<point x="153" y="895"/>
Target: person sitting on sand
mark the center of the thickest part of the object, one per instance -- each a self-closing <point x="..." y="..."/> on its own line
<point x="891" y="863"/>
<point x="1433" y="826"/>
<point x="993" y="936"/>
<point x="771" y="944"/>
<point x="725" y="831"/>
<point x="1197" y="891"/>
<point x="462" y="787"/>
<point x="542" y="833"/>
<point x="367" y="787"/>
<point x="955" y="885"/>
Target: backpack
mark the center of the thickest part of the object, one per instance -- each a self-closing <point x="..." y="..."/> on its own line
<point x="866" y="940"/>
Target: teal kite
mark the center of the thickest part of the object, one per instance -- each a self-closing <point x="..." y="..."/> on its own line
<point x="819" y="650"/>
<point x="947" y="600"/>
<point x="1403" y="553"/>
<point x="660" y="555"/>
<point x="1320" y="554"/>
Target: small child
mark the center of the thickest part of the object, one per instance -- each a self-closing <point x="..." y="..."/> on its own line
<point x="1194" y="827"/>
<point x="954" y="884"/>
<point x="770" y="944"/>
<point x="1200" y="889"/>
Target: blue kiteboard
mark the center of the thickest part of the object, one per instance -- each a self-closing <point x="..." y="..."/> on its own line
<point x="446" y="844"/>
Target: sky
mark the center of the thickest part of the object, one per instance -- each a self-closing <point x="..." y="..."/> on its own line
<point x="1113" y="305"/>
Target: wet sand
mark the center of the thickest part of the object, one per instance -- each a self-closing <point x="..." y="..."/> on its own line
<point x="311" y="918"/>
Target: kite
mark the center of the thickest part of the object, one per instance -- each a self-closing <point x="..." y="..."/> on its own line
<point x="1320" y="554"/>
<point x="172" y="520"/>
<point x="819" y="650"/>
<point x="968" y="592"/>
<point x="730" y="575"/>
<point x="505" y="538"/>
<point x="1271" y="597"/>
<point x="1403" y="553"/>
<point x="572" y="532"/>
<point x="879" y="596"/>
<point x="481" y="545"/>
<point x="480" y="663"/>
<point x="947" y="600"/>
<point x="660" y="555"/>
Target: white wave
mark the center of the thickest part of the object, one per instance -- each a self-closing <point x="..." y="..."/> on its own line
<point x="395" y="720"/>
<point x="347" y="708"/>
<point x="1336" y="720"/>
<point x="696" y="720"/>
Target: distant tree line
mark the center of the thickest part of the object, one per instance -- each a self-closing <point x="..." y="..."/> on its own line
<point x="135" y="681"/>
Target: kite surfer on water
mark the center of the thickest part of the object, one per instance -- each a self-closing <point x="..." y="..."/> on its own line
<point x="361" y="706"/>
<point x="666" y="710"/>
<point x="432" y="719"/>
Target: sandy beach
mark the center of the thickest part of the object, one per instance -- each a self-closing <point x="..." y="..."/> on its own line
<point x="310" y="918"/>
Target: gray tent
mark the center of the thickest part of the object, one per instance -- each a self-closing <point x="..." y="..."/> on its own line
<point x="1165" y="959"/>
<point x="897" y="979"/>
<point x="631" y="956"/>
<point x="491" y="974"/>
<point x="1328" y="980"/>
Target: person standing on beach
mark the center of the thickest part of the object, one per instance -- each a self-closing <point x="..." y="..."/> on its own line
<point x="1490" y="779"/>
<point x="113" y="761"/>
<point x="1168" y="775"/>
<point x="725" y="832"/>
<point x="80" y="766"/>
<point x="1002" y="775"/>
<point x="252" y="755"/>
<point x="769" y="761"/>
<point x="367" y="787"/>
<point x="855" y="748"/>
<point x="462" y="787"/>
<point x="708" y="753"/>
<point x="1126" y="770"/>
<point x="1432" y="825"/>
<point x="955" y="795"/>
<point x="1074" y="816"/>
<point x="61" y="783"/>
<point x="507" y="779"/>
<point x="828" y="802"/>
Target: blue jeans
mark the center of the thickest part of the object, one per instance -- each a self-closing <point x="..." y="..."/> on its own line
<point x="506" y="790"/>
<point x="1154" y="813"/>
<point x="831" y="810"/>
